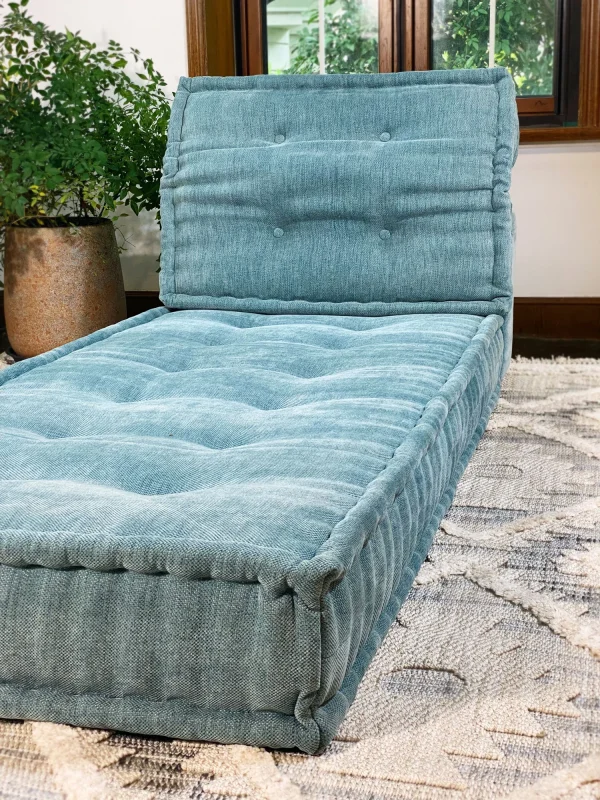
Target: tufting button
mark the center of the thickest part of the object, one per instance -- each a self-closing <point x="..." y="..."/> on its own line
<point x="280" y="138"/>
<point x="384" y="234"/>
<point x="278" y="233"/>
<point x="385" y="137"/>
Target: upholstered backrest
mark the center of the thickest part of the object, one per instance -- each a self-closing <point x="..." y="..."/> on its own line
<point x="340" y="194"/>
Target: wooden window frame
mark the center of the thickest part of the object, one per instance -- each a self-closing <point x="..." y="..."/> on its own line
<point x="211" y="42"/>
<point x="227" y="37"/>
<point x="252" y="37"/>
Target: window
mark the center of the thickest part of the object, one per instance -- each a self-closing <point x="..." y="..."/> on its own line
<point x="551" y="47"/>
<point x="529" y="37"/>
<point x="535" y="39"/>
<point x="524" y="39"/>
<point x="322" y="36"/>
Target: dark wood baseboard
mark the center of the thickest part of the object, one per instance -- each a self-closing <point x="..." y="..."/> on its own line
<point x="138" y="302"/>
<point x="538" y="347"/>
<point x="543" y="326"/>
<point x="557" y="317"/>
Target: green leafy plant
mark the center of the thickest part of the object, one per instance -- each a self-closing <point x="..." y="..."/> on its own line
<point x="82" y="130"/>
<point x="350" y="40"/>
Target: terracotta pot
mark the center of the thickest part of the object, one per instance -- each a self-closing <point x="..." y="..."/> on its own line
<point x="60" y="284"/>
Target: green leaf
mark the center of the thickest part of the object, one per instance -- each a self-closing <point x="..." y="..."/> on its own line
<point x="78" y="132"/>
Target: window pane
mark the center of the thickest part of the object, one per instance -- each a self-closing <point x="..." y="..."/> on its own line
<point x="524" y="39"/>
<point x="350" y="35"/>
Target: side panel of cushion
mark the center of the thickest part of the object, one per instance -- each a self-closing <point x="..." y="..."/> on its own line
<point x="385" y="564"/>
<point x="339" y="194"/>
<point x="152" y="639"/>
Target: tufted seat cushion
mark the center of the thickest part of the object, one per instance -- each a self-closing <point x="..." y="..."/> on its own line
<point x="210" y="518"/>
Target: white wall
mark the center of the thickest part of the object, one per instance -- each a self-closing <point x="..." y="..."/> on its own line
<point x="155" y="27"/>
<point x="556" y="198"/>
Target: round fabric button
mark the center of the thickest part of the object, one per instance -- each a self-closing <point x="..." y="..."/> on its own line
<point x="278" y="233"/>
<point x="384" y="234"/>
<point x="280" y="138"/>
<point x="385" y="137"/>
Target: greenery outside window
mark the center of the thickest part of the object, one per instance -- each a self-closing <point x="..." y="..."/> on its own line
<point x="536" y="40"/>
<point x="350" y="42"/>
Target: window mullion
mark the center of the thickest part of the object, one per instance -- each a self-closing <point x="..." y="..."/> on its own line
<point x="492" y="39"/>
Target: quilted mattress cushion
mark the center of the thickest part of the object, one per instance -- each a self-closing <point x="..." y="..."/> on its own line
<point x="208" y="519"/>
<point x="340" y="194"/>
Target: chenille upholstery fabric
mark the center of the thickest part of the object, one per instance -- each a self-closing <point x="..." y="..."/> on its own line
<point x="209" y="516"/>
<point x="340" y="194"/>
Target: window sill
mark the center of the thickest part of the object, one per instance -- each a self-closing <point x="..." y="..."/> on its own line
<point x="568" y="134"/>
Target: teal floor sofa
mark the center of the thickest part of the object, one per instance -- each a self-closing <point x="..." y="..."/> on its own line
<point x="211" y="513"/>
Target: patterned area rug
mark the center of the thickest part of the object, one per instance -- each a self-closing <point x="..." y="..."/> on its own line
<point x="487" y="686"/>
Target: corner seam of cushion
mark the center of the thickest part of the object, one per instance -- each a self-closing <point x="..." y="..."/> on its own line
<point x="494" y="210"/>
<point x="173" y="276"/>
<point x="418" y="556"/>
<point x="305" y="708"/>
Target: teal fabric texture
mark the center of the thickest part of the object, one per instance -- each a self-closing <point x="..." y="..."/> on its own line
<point x="340" y="194"/>
<point x="211" y="513"/>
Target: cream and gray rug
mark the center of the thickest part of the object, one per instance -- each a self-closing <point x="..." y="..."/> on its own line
<point x="486" y="687"/>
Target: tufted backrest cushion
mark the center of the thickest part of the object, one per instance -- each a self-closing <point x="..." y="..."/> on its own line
<point x="340" y="194"/>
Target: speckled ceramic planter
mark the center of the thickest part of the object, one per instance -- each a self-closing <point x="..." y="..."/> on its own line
<point x="60" y="284"/>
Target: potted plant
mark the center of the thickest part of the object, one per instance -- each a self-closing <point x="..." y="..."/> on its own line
<point x="82" y="132"/>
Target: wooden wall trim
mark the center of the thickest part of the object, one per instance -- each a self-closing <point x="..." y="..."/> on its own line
<point x="388" y="49"/>
<point x="558" y="317"/>
<point x="220" y="37"/>
<point x="422" y="40"/>
<point x="210" y="37"/>
<point x="253" y="44"/>
<point x="195" y="24"/>
<point x="405" y="29"/>
<point x="536" y="105"/>
<point x="570" y="134"/>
